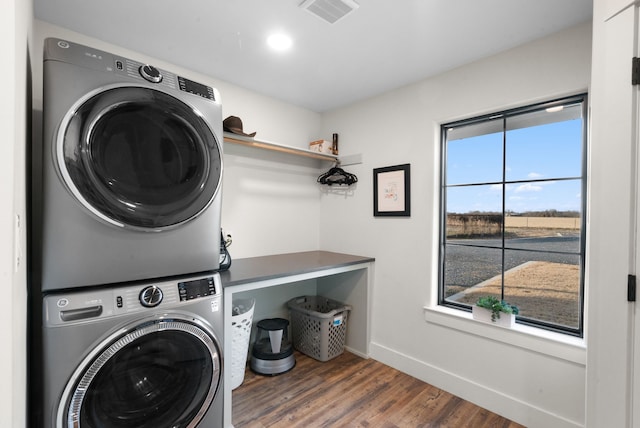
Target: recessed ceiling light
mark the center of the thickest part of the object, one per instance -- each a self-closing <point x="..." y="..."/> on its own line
<point x="279" y="42"/>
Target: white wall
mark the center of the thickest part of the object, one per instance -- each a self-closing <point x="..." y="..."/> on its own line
<point x="402" y="126"/>
<point x="270" y="200"/>
<point x="15" y="25"/>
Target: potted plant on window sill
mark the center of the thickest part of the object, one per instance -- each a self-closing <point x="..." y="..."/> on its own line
<point x="496" y="311"/>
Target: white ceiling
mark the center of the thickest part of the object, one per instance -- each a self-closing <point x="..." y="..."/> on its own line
<point x="384" y="44"/>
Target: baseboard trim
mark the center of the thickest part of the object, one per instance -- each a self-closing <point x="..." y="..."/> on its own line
<point x="490" y="399"/>
<point x="356" y="352"/>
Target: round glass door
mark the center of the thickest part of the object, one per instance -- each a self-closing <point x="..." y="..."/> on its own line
<point x="164" y="373"/>
<point x="139" y="158"/>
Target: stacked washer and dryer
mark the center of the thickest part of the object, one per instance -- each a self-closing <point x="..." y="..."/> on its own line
<point x="125" y="245"/>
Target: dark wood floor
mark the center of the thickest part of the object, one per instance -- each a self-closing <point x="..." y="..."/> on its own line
<point x="350" y="391"/>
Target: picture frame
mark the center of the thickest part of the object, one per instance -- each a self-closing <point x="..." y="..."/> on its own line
<point x="392" y="191"/>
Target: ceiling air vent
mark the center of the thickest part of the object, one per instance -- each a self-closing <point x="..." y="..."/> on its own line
<point x="329" y="10"/>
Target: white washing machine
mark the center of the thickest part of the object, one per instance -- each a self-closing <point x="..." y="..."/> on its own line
<point x="129" y="185"/>
<point x="140" y="355"/>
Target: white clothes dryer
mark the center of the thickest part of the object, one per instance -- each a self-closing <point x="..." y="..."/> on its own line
<point x="129" y="185"/>
<point x="139" y="355"/>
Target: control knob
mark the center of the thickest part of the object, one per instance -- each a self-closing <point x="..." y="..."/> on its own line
<point x="150" y="73"/>
<point x="151" y="296"/>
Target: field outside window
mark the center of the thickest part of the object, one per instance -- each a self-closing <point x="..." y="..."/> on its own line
<point x="513" y="192"/>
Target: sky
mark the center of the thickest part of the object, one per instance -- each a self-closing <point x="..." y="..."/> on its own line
<point x="551" y="151"/>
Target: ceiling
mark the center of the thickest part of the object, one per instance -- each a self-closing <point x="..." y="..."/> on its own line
<point x="381" y="45"/>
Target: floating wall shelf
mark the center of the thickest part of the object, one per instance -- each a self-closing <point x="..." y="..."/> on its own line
<point x="267" y="145"/>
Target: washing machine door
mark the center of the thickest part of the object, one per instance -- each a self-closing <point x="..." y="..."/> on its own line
<point x="139" y="158"/>
<point x="163" y="373"/>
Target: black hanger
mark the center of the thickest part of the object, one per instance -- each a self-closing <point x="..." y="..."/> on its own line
<point x="337" y="175"/>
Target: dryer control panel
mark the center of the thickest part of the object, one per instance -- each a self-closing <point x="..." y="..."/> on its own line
<point x="74" y="53"/>
<point x="149" y="73"/>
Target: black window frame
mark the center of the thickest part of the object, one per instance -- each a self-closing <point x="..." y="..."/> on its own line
<point x="505" y="114"/>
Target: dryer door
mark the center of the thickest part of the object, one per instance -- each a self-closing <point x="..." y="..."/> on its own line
<point x="138" y="157"/>
<point x="164" y="373"/>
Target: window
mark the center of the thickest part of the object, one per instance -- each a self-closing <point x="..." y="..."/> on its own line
<point x="512" y="219"/>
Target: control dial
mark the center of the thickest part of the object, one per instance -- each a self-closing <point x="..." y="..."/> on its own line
<point x="150" y="73"/>
<point x="151" y="296"/>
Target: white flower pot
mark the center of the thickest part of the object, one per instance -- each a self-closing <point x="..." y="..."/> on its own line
<point x="484" y="315"/>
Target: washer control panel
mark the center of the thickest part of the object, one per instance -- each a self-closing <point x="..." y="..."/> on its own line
<point x="87" y="305"/>
<point x="190" y="290"/>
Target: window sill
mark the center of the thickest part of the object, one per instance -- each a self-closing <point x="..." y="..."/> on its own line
<point x="545" y="342"/>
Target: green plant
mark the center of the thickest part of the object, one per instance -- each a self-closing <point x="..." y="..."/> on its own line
<point x="496" y="306"/>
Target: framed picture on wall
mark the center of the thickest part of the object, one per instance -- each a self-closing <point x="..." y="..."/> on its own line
<point x="392" y="191"/>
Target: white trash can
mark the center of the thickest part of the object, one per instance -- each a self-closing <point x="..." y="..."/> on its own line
<point x="241" y="319"/>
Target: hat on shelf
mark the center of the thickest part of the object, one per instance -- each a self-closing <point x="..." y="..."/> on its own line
<point x="234" y="124"/>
